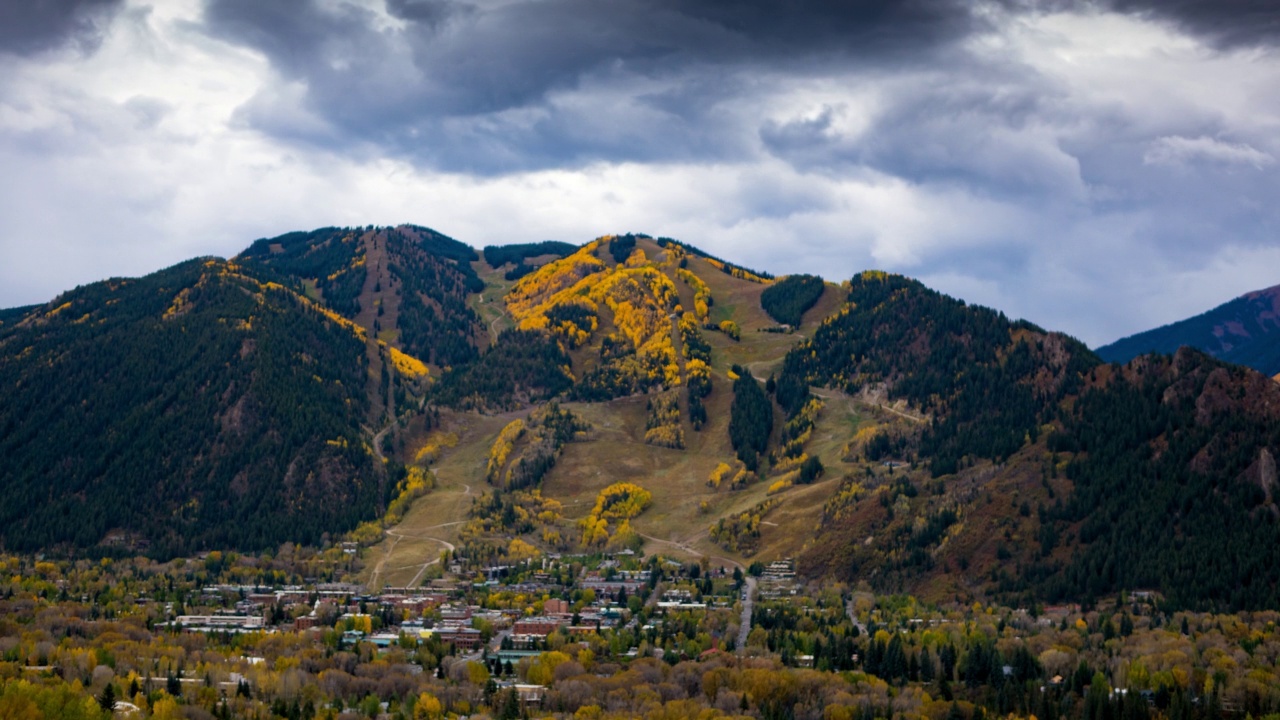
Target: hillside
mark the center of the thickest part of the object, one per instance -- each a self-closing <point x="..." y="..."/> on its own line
<point x="224" y="404"/>
<point x="1036" y="472"/>
<point x="1245" y="331"/>
<point x="162" y="413"/>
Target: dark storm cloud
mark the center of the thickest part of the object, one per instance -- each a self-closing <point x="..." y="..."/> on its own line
<point x="793" y="27"/>
<point x="1223" y="22"/>
<point x="529" y="84"/>
<point x="27" y="27"/>
<point x="976" y="128"/>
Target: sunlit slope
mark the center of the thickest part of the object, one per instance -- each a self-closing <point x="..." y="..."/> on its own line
<point x="635" y="318"/>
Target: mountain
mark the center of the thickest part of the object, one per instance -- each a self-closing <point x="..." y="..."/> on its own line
<point x="1245" y="331"/>
<point x="224" y="403"/>
<point x="165" y="412"/>
<point x="1156" y="474"/>
<point x="631" y="392"/>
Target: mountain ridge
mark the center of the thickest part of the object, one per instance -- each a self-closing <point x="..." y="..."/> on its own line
<point x="1244" y="330"/>
<point x="895" y="436"/>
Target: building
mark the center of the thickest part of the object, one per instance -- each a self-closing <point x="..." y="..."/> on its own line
<point x="461" y="637"/>
<point x="537" y="626"/>
<point x="219" y="623"/>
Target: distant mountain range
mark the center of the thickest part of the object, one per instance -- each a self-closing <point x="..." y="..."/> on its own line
<point x="875" y="430"/>
<point x="1245" y="331"/>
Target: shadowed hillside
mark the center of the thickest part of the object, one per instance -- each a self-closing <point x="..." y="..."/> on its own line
<point x="1245" y="331"/>
<point x="1082" y="479"/>
<point x="196" y="407"/>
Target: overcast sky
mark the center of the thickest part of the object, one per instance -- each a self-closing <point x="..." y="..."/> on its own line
<point x="1098" y="168"/>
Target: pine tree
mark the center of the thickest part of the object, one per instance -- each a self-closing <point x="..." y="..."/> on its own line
<point x="108" y="697"/>
<point x="510" y="709"/>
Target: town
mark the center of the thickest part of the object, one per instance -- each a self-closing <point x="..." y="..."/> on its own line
<point x="593" y="636"/>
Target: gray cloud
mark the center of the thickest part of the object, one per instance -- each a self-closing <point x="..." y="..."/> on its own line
<point x="541" y="84"/>
<point x="1227" y="23"/>
<point x="1179" y="151"/>
<point x="564" y="83"/>
<point x="30" y="27"/>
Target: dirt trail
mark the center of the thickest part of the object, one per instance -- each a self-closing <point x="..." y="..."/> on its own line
<point x="493" y="331"/>
<point x="829" y="394"/>
<point x="449" y="500"/>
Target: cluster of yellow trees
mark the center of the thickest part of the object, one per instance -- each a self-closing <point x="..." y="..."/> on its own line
<point x="737" y="272"/>
<point x="357" y="261"/>
<point x="853" y="450"/>
<point x="435" y="444"/>
<point x="325" y="311"/>
<point x="799" y="429"/>
<point x="780" y="484"/>
<point x="840" y="504"/>
<point x="701" y="293"/>
<point x="620" y="501"/>
<point x="637" y="258"/>
<point x="641" y="300"/>
<point x="788" y="465"/>
<point x="663" y="426"/>
<point x="718" y="474"/>
<point x="404" y="363"/>
<point x="638" y="294"/>
<point x="529" y="507"/>
<point x="181" y="303"/>
<point x="696" y="370"/>
<point x="415" y="484"/>
<point x="725" y="472"/>
<point x="536" y="290"/>
<point x="574" y="334"/>
<point x="500" y="451"/>
<point x="739" y="533"/>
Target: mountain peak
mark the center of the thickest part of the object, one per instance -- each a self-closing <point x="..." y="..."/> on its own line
<point x="1245" y="331"/>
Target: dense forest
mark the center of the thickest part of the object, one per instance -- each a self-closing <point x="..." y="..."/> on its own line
<point x="330" y="258"/>
<point x="787" y="300"/>
<point x="1174" y="472"/>
<point x="522" y="367"/>
<point x="987" y="382"/>
<point x="621" y="247"/>
<point x="9" y="316"/>
<point x="432" y="274"/>
<point x="443" y="246"/>
<point x="519" y="253"/>
<point x="435" y="323"/>
<point x="1164" y="454"/>
<point x="751" y="418"/>
<point x="192" y="408"/>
